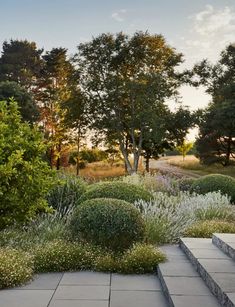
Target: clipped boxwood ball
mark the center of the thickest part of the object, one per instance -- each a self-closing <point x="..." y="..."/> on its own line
<point x="117" y="190"/>
<point x="216" y="182"/>
<point x="110" y="223"/>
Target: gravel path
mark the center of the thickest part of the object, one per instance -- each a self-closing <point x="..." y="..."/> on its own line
<point x="163" y="166"/>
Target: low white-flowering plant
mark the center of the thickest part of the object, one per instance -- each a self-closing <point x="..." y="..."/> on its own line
<point x="168" y="216"/>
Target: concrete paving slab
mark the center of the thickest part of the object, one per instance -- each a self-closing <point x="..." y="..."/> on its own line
<point x="135" y="282"/>
<point x="227" y="237"/>
<point x="137" y="299"/>
<point x="218" y="265"/>
<point x="194" y="301"/>
<point x="231" y="296"/>
<point x="25" y="298"/>
<point x="174" y="253"/>
<point x="186" y="286"/>
<point x="82" y="292"/>
<point x="86" y="278"/>
<point x="198" y="243"/>
<point x="177" y="269"/>
<point x="78" y="303"/>
<point x="48" y="281"/>
<point x="208" y="253"/>
<point x="225" y="281"/>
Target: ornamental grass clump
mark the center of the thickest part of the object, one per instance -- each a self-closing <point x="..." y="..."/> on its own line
<point x="205" y="229"/>
<point x="16" y="267"/>
<point x="111" y="223"/>
<point x="64" y="196"/>
<point x="117" y="190"/>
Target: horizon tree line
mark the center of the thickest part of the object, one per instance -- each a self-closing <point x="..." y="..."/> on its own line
<point x="117" y="87"/>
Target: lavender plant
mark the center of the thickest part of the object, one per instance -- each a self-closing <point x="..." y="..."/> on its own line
<point x="168" y="216"/>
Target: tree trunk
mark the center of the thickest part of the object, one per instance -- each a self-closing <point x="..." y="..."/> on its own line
<point x="58" y="158"/>
<point x="51" y="156"/>
<point x="147" y="164"/>
<point x="78" y="152"/>
<point x="124" y="152"/>
<point x="228" y="152"/>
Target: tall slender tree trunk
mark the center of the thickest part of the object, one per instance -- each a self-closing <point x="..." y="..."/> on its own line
<point x="78" y="152"/>
<point x="147" y="159"/>
<point x="228" y="153"/>
<point x="58" y="160"/>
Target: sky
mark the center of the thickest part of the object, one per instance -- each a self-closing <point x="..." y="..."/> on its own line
<point x="199" y="29"/>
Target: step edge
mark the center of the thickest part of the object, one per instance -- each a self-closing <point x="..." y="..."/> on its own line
<point x="215" y="289"/>
<point x="225" y="247"/>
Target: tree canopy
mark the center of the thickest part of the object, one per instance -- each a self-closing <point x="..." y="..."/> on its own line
<point x="127" y="80"/>
<point x="216" y="142"/>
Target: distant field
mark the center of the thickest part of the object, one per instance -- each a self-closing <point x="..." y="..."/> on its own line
<point x="99" y="170"/>
<point x="192" y="163"/>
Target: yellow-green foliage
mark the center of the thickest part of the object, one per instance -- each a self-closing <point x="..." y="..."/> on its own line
<point x="25" y="177"/>
<point x="205" y="229"/>
<point x="141" y="258"/>
<point x="16" y="267"/>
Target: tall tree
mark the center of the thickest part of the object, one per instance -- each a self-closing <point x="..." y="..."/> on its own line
<point x="27" y="106"/>
<point x="55" y="89"/>
<point x="20" y="62"/>
<point x="76" y="119"/>
<point x="127" y="80"/>
<point x="168" y="130"/>
<point x="216" y="142"/>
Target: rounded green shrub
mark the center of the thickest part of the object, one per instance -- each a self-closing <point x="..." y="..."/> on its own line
<point x="16" y="268"/>
<point x="215" y="182"/>
<point x="111" y="223"/>
<point x="141" y="258"/>
<point x="59" y="256"/>
<point x="65" y="195"/>
<point x="117" y="190"/>
<point x="205" y="229"/>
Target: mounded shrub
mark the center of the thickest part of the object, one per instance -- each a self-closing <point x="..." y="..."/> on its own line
<point x="65" y="195"/>
<point x="16" y="267"/>
<point x="117" y="190"/>
<point x="141" y="258"/>
<point x="215" y="182"/>
<point x="59" y="256"/>
<point x="205" y="229"/>
<point x="110" y="223"/>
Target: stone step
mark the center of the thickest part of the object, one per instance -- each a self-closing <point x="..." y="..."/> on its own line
<point x="225" y="242"/>
<point x="215" y="267"/>
<point x="181" y="284"/>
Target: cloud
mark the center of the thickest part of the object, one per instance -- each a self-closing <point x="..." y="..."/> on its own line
<point x="211" y="21"/>
<point x="119" y="15"/>
<point x="211" y="31"/>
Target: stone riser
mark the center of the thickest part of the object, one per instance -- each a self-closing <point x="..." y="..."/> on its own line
<point x="213" y="286"/>
<point x="226" y="248"/>
<point x="164" y="288"/>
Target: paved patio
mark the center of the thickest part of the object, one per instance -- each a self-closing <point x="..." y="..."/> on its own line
<point x="86" y="289"/>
